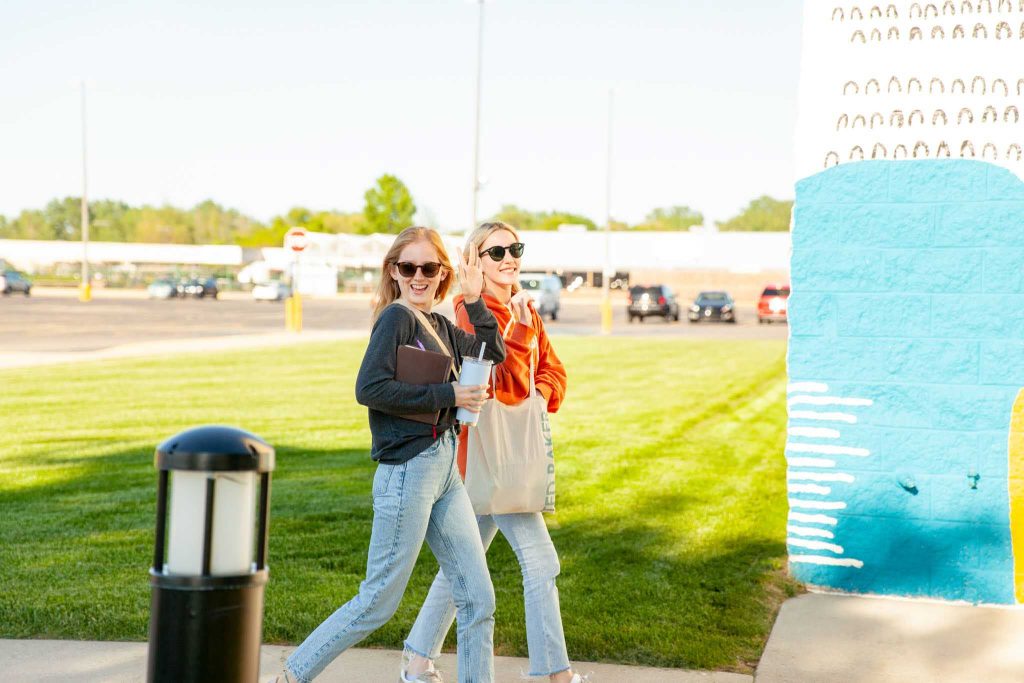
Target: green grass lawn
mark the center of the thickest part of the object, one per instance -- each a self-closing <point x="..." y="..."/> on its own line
<point x="671" y="495"/>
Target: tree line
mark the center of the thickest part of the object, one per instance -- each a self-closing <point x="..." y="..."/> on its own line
<point x="388" y="208"/>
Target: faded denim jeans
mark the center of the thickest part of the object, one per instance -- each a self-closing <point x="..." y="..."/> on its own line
<point x="538" y="560"/>
<point x="423" y="498"/>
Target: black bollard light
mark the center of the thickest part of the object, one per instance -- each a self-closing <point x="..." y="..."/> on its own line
<point x="206" y="619"/>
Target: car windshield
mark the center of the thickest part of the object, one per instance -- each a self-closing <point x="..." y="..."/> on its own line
<point x="530" y="283"/>
<point x="713" y="297"/>
<point x="638" y="292"/>
<point x="772" y="291"/>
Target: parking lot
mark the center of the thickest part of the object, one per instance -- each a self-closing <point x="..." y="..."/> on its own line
<point x="55" y="321"/>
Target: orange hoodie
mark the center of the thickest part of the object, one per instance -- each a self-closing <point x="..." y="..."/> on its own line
<point x="512" y="385"/>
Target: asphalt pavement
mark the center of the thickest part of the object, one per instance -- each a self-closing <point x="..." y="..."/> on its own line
<point x="54" y="321"/>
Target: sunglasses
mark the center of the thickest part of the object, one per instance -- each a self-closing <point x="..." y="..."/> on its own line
<point x="407" y="269"/>
<point x="498" y="253"/>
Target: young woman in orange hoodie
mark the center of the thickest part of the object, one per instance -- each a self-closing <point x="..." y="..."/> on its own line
<point x="500" y="251"/>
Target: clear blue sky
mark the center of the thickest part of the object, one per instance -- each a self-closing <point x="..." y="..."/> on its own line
<point x="266" y="105"/>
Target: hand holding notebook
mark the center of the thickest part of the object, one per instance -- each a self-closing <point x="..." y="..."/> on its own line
<point x="419" y="366"/>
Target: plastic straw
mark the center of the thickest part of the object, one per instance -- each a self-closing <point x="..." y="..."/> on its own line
<point x="483" y="346"/>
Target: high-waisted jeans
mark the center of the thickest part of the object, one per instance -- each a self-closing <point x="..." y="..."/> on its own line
<point x="529" y="538"/>
<point x="423" y="498"/>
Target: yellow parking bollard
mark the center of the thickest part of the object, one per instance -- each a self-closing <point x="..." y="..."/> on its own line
<point x="297" y="313"/>
<point x="606" y="316"/>
<point x="288" y="317"/>
<point x="85" y="292"/>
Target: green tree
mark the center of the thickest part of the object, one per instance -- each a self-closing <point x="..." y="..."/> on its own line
<point x="553" y="219"/>
<point x="672" y="218"/>
<point x="517" y="217"/>
<point x="63" y="218"/>
<point x="111" y="221"/>
<point x="389" y="206"/>
<point x="761" y="215"/>
<point x="524" y="219"/>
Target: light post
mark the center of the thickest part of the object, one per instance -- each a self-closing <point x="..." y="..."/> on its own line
<point x="606" y="300"/>
<point x="476" y="135"/>
<point x="86" y="286"/>
<point x="206" y="620"/>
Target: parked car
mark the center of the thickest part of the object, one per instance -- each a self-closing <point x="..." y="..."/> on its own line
<point x="713" y="306"/>
<point x="12" y="281"/>
<point x="162" y="289"/>
<point x="546" y="292"/>
<point x="200" y="289"/>
<point x="646" y="301"/>
<point x="773" y="305"/>
<point x="275" y="290"/>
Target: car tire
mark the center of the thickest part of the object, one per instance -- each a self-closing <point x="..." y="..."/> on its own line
<point x="554" y="315"/>
<point x="28" y="292"/>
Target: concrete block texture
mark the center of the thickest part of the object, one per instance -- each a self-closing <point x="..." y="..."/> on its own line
<point x="939" y="181"/>
<point x="907" y="341"/>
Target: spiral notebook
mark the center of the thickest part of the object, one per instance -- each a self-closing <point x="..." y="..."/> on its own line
<point x="418" y="366"/>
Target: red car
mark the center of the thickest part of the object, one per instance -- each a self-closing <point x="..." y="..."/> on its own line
<point x="772" y="305"/>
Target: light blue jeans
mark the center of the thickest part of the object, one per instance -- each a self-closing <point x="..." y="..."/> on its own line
<point x="529" y="538"/>
<point x="423" y="498"/>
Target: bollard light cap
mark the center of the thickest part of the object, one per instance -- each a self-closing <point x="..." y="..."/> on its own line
<point x="215" y="448"/>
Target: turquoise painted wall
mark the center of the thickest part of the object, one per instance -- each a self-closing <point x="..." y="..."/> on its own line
<point x="906" y="353"/>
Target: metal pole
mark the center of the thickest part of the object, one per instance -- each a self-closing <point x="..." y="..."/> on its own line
<point x="476" y="135"/>
<point x="606" y="301"/>
<point x="86" y="290"/>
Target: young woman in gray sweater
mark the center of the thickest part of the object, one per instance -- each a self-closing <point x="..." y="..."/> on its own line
<point x="417" y="491"/>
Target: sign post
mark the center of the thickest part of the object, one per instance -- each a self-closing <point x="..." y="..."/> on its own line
<point x="296" y="239"/>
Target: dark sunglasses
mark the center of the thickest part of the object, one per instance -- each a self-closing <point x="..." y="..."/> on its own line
<point x="498" y="253"/>
<point x="407" y="269"/>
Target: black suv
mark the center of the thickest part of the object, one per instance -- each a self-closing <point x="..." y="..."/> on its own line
<point x="200" y="289"/>
<point x="717" y="306"/>
<point x="13" y="281"/>
<point x="646" y="301"/>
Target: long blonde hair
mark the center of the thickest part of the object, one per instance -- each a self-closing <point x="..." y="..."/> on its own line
<point x="388" y="290"/>
<point x="480" y="235"/>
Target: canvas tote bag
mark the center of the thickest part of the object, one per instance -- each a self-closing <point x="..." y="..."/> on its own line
<point x="510" y="461"/>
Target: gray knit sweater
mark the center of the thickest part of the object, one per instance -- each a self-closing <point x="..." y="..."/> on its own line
<point x="396" y="439"/>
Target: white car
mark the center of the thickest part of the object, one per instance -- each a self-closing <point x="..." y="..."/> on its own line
<point x="274" y="290"/>
<point x="546" y="292"/>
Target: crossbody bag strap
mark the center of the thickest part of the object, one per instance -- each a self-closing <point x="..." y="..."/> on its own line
<point x="419" y="315"/>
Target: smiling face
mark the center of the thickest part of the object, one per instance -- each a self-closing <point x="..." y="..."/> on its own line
<point x="418" y="289"/>
<point x="501" y="274"/>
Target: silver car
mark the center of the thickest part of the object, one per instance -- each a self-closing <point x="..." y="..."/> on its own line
<point x="13" y="281"/>
<point x="546" y="292"/>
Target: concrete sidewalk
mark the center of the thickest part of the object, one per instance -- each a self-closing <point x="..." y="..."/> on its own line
<point x="822" y="638"/>
<point x="68" y="661"/>
<point x="817" y="638"/>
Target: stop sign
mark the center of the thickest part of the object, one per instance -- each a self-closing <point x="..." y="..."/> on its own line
<point x="296" y="239"/>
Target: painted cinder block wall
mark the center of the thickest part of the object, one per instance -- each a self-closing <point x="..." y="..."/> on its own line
<point x="906" y="427"/>
<point x="906" y="357"/>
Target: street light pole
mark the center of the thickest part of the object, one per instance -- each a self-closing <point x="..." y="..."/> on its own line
<point x="86" y="287"/>
<point x="606" y="302"/>
<point x="476" y="137"/>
